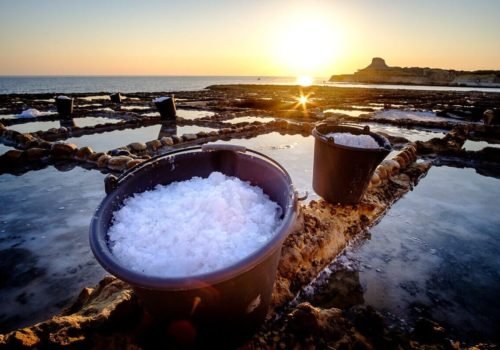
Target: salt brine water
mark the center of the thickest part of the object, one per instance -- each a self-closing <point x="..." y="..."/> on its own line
<point x="192" y="227"/>
<point x="352" y="140"/>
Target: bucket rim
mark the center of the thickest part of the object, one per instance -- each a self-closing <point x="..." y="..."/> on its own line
<point x="101" y="251"/>
<point x="383" y="142"/>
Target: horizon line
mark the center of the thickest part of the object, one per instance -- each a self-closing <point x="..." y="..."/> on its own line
<point x="146" y="75"/>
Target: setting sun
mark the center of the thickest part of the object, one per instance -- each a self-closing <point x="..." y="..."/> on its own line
<point x="305" y="80"/>
<point x="307" y="44"/>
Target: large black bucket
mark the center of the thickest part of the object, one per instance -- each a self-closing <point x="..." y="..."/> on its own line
<point x="64" y="106"/>
<point x="341" y="173"/>
<point x="225" y="306"/>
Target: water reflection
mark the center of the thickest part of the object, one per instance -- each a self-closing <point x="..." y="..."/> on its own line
<point x="435" y="254"/>
<point x="34" y="126"/>
<point x="411" y="134"/>
<point x="352" y="113"/>
<point x="45" y="259"/>
<point x="192" y="114"/>
<point x="342" y="290"/>
<point x="168" y="128"/>
<point x="46" y="125"/>
<point x="470" y="145"/>
<point x="67" y="123"/>
<point x="114" y="139"/>
<point x="294" y="152"/>
<point x="4" y="148"/>
<point x="250" y="119"/>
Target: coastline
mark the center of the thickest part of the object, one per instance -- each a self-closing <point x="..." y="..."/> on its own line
<point x="378" y="72"/>
<point x="137" y="84"/>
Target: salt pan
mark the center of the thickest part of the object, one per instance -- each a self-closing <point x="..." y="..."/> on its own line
<point x="192" y="227"/>
<point x="161" y="99"/>
<point x="351" y="140"/>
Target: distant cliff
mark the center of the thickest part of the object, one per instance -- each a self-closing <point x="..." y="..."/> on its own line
<point x="378" y="72"/>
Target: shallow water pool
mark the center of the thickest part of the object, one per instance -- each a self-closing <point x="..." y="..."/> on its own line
<point x="411" y="134"/>
<point x="193" y="114"/>
<point x="435" y="254"/>
<point x="249" y="119"/>
<point x="4" y="148"/>
<point x="113" y="139"/>
<point x="349" y="112"/>
<point x="294" y="152"/>
<point x="470" y="145"/>
<point x="190" y="114"/>
<point x="45" y="258"/>
<point x="46" y="125"/>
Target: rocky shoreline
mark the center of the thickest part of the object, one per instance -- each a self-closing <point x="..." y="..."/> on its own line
<point x="109" y="315"/>
<point x="378" y="72"/>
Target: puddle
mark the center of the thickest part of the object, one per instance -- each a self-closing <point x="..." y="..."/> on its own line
<point x="35" y="126"/>
<point x="45" y="258"/>
<point x="95" y="98"/>
<point x="19" y="116"/>
<point x="470" y="145"/>
<point x="151" y="114"/>
<point x="50" y="100"/>
<point x="89" y="105"/>
<point x="185" y="113"/>
<point x="92" y="121"/>
<point x="249" y="119"/>
<point x="46" y="125"/>
<point x="193" y="114"/>
<point x="352" y="113"/>
<point x="435" y="254"/>
<point x="376" y="106"/>
<point x="4" y="148"/>
<point x="106" y="109"/>
<point x="410" y="134"/>
<point x="422" y="116"/>
<point x="8" y="116"/>
<point x="113" y="139"/>
<point x="294" y="152"/>
<point x="128" y="108"/>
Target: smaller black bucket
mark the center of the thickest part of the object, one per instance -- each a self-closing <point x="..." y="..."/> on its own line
<point x="116" y="97"/>
<point x="64" y="106"/>
<point x="341" y="173"/>
<point x="166" y="107"/>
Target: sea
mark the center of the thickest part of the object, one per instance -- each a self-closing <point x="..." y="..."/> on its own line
<point x="129" y="84"/>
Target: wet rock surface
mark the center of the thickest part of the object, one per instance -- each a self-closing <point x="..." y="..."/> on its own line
<point x="111" y="316"/>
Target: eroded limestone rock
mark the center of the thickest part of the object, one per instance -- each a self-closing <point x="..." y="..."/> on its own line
<point x="110" y="306"/>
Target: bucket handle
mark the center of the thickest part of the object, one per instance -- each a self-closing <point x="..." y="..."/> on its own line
<point x="111" y="182"/>
<point x="302" y="196"/>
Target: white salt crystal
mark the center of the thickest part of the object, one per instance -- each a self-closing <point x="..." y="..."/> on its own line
<point x="62" y="97"/>
<point x="161" y="99"/>
<point x="192" y="227"/>
<point x="352" y="140"/>
<point x="29" y="113"/>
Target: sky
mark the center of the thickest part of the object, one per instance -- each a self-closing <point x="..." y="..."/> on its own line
<point x="244" y="37"/>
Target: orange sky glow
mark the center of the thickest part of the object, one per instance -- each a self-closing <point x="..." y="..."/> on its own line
<point x="272" y="38"/>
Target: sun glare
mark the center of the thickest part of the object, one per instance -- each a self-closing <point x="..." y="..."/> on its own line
<point x="304" y="80"/>
<point x="302" y="100"/>
<point x="307" y="44"/>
